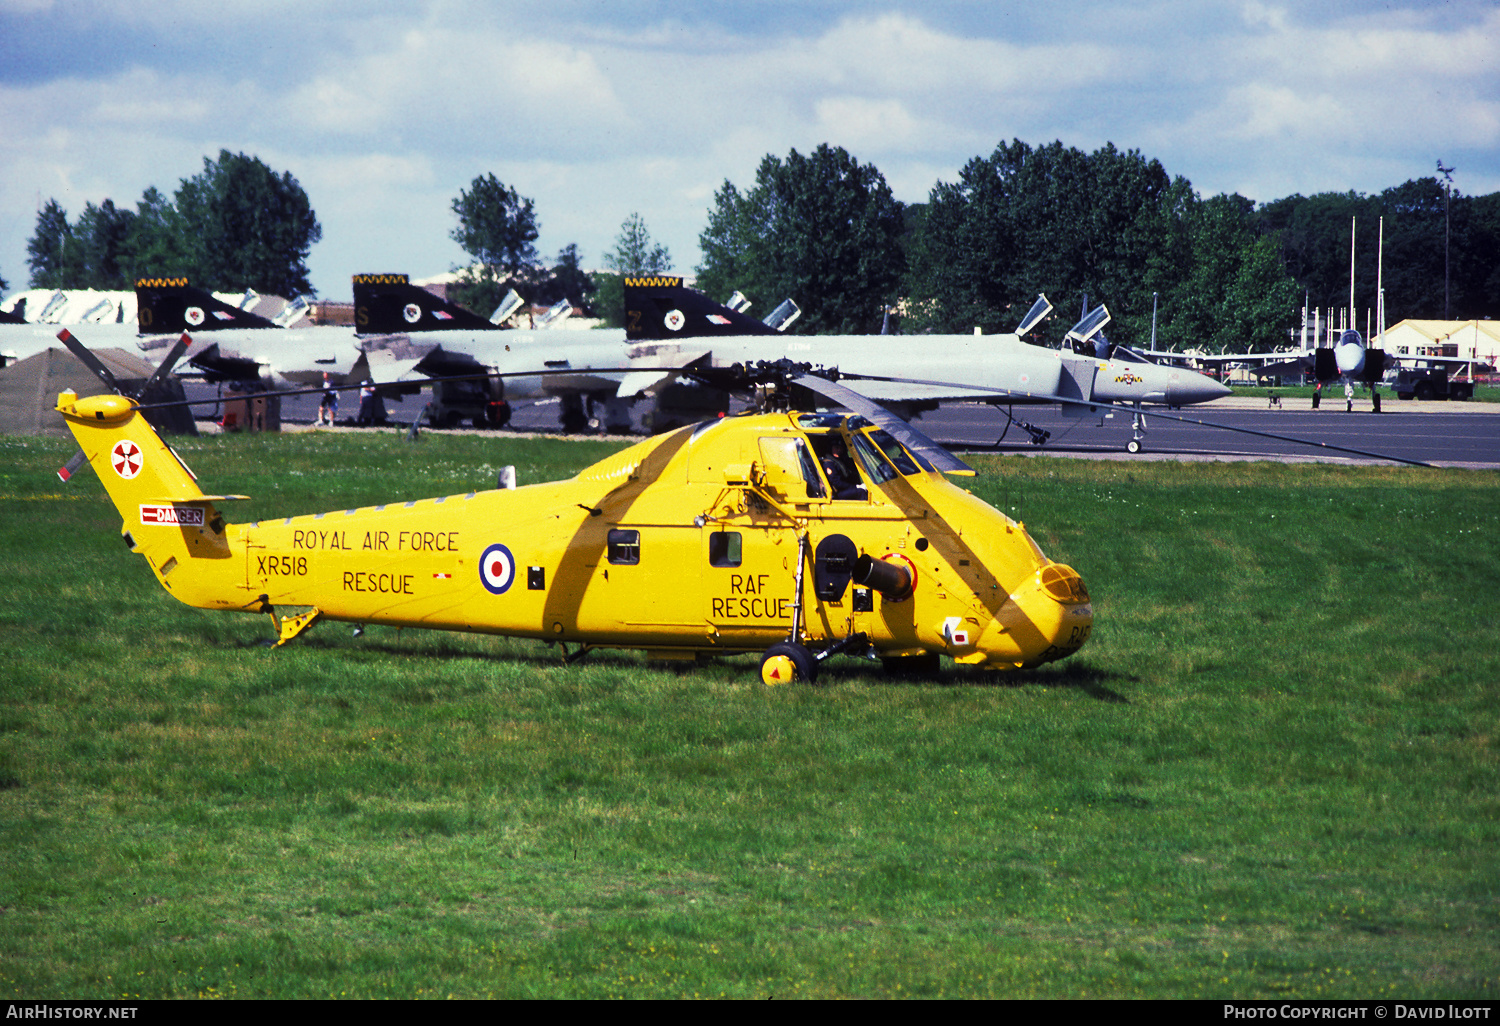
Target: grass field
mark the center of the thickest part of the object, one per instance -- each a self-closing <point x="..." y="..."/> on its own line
<point x="1272" y="772"/>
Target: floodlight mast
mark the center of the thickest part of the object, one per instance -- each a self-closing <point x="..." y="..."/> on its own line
<point x="1447" y="173"/>
<point x="1352" y="222"/>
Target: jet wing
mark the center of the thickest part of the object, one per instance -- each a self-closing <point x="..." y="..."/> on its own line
<point x="636" y="382"/>
<point x="1281" y="369"/>
<point x="393" y="358"/>
<point x="1446" y="361"/>
<point x="651" y="367"/>
<point x="912" y="391"/>
<point x="218" y="365"/>
<point x="384" y="368"/>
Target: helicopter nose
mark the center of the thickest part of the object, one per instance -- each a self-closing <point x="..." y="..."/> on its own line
<point x="1188" y="387"/>
<point x="1048" y="618"/>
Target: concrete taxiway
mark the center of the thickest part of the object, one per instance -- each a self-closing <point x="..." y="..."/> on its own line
<point x="1447" y="434"/>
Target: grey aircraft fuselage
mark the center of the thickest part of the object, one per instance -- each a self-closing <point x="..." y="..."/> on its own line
<point x="986" y="364"/>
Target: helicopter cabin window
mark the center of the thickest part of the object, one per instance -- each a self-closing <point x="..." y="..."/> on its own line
<point x="724" y="548"/>
<point x="624" y="547"/>
<point x="791" y="461"/>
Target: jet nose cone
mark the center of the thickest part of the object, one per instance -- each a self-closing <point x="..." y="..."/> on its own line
<point x="1190" y="387"/>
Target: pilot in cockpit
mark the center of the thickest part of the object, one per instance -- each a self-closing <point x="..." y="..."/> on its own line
<point x="839" y="468"/>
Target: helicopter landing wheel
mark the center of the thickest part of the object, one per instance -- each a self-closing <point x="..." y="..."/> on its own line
<point x="785" y="662"/>
<point x="1132" y="446"/>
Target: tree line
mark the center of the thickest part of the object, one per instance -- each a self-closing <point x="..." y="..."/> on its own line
<point x="241" y="225"/>
<point x="824" y="229"/>
<point x="236" y="225"/>
<point x="1219" y="272"/>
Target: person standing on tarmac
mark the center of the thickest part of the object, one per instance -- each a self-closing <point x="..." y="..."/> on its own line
<point x="329" y="407"/>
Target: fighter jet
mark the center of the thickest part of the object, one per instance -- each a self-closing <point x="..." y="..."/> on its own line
<point x="409" y="335"/>
<point x="1003" y="369"/>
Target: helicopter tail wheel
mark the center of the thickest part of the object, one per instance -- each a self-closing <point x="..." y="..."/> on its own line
<point x="786" y="662"/>
<point x="1133" y="446"/>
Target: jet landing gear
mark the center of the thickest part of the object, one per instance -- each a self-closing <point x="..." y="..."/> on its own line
<point x="1137" y="430"/>
<point x="574" y="416"/>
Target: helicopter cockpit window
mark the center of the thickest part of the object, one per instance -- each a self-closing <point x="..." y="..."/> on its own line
<point x="895" y="452"/>
<point x="876" y="465"/>
<point x="725" y="548"/>
<point x="809" y="471"/>
<point x="624" y="547"/>
<point x="819" y="421"/>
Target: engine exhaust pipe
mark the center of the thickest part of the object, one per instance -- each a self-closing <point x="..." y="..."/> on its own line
<point x="889" y="579"/>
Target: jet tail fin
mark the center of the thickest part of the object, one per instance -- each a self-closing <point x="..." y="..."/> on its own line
<point x="389" y="304"/>
<point x="170" y="305"/>
<point x="662" y="308"/>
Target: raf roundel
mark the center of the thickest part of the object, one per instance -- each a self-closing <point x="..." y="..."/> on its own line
<point x="127" y="459"/>
<point x="497" y="569"/>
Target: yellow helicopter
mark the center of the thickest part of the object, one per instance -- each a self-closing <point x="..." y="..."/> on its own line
<point x="799" y="535"/>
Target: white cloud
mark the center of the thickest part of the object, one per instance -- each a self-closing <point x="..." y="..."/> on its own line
<point x="1258" y="15"/>
<point x="447" y="90"/>
<point x="384" y="111"/>
<point x="864" y="124"/>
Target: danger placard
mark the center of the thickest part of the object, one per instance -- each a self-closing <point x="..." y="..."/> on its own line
<point x="192" y="516"/>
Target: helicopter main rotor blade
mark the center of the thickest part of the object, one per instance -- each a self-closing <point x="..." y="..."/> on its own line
<point x="88" y="359"/>
<point x="165" y="367"/>
<point x="904" y="433"/>
<point x="1122" y="408"/>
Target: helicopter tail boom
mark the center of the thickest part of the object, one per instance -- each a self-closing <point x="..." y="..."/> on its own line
<point x="167" y="518"/>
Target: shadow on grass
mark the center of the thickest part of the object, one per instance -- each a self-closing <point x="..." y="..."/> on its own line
<point x="1089" y="679"/>
<point x="1093" y="681"/>
<point x="441" y="645"/>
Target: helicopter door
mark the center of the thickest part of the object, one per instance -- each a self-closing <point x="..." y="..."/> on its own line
<point x="655" y="566"/>
<point x="750" y="561"/>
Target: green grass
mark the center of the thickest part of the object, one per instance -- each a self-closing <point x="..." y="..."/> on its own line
<point x="1271" y="773"/>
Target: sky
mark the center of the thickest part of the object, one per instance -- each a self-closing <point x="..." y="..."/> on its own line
<point x="598" y="109"/>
